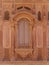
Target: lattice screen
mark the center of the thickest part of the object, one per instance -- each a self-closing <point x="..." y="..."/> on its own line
<point x="23" y="33"/>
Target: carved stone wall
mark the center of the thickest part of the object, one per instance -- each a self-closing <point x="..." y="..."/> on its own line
<point x="39" y="29"/>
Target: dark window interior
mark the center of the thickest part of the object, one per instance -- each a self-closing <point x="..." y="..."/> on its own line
<point x="27" y="8"/>
<point x="48" y="15"/>
<point x="19" y="8"/>
<point x="6" y="15"/>
<point x="39" y="16"/>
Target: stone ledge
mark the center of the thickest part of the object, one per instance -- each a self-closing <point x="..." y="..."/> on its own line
<point x="25" y="63"/>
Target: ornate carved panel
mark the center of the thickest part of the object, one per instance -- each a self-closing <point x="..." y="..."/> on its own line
<point x="47" y="36"/>
<point x="6" y="35"/>
<point x="39" y="36"/>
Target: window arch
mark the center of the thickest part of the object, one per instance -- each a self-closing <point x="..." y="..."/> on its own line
<point x="6" y="15"/>
<point x="39" y="16"/>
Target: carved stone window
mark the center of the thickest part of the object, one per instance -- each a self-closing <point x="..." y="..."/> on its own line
<point x="6" y="15"/>
<point x="39" y="16"/>
<point x="23" y="33"/>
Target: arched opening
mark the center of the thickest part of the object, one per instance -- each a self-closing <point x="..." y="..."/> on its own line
<point x="23" y="33"/>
